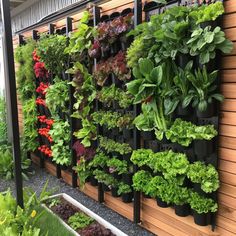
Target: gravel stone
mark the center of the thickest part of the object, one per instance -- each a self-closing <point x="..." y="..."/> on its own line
<point x="38" y="180"/>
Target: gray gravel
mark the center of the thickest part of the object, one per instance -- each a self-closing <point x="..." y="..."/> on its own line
<point x="37" y="181"/>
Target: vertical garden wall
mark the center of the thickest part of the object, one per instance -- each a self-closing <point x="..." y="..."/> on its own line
<point x="136" y="106"/>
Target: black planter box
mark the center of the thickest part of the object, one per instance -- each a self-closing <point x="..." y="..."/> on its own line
<point x="197" y="188"/>
<point x="127" y="133"/>
<point x="188" y="111"/>
<point x="114" y="192"/>
<point x="127" y="197"/>
<point x="93" y="181"/>
<point x="154" y="145"/>
<point x="209" y="112"/>
<point x="148" y="135"/>
<point x="115" y="48"/>
<point x="203" y="148"/>
<point x="212" y="159"/>
<point x="183" y="210"/>
<point x="105" y="188"/>
<point x="200" y="219"/>
<point x="161" y="203"/>
<point x="146" y="196"/>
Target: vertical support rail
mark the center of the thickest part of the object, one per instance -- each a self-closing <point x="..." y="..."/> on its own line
<point x="96" y="20"/>
<point x="137" y="108"/>
<point x="35" y="37"/>
<point x="10" y="82"/>
<point x="51" y="30"/>
<point x="71" y="119"/>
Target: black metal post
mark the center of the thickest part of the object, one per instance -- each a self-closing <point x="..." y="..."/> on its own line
<point x="72" y="120"/>
<point x="10" y="81"/>
<point x="96" y="20"/>
<point x="51" y="28"/>
<point x="137" y="108"/>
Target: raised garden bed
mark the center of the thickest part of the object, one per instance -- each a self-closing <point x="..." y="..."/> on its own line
<point x="86" y="223"/>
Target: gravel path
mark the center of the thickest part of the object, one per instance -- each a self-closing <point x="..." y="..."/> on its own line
<point x="37" y="181"/>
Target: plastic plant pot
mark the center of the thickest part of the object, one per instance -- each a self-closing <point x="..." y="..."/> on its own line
<point x="93" y="181"/>
<point x="114" y="192"/>
<point x="203" y="148"/>
<point x="209" y="112"/>
<point x="200" y="219"/>
<point x="182" y="210"/>
<point x="127" y="133"/>
<point x="154" y="145"/>
<point x="127" y="197"/>
<point x="184" y="111"/>
<point x="182" y="60"/>
<point x="161" y="203"/>
<point x="105" y="188"/>
<point x="147" y="135"/>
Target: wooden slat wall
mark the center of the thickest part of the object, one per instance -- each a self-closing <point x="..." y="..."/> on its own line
<point x="164" y="222"/>
<point x="226" y="220"/>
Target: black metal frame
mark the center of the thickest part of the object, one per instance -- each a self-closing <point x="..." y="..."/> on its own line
<point x="10" y="82"/>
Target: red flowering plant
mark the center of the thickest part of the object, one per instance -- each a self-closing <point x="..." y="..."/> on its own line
<point x="40" y="101"/>
<point x="48" y="122"/>
<point x="39" y="67"/>
<point x="42" y="88"/>
<point x="46" y="150"/>
<point x="45" y="132"/>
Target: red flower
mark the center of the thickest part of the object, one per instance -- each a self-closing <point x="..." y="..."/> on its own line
<point x="40" y="101"/>
<point x="40" y="70"/>
<point x="42" y="88"/>
<point x="36" y="58"/>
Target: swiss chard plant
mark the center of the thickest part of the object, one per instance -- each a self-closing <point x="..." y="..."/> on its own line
<point x="203" y="91"/>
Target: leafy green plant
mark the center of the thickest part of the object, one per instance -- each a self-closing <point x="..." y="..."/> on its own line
<point x="141" y="180"/>
<point x="152" y="87"/>
<point x="57" y="97"/>
<point x="205" y="42"/>
<point x="111" y="146"/>
<point x="201" y="204"/>
<point x="207" y="13"/>
<point x="142" y="157"/>
<point x="204" y="89"/>
<point x="116" y="165"/>
<point x="60" y="134"/>
<point x="85" y="94"/>
<point x="184" y="132"/>
<point x="123" y="188"/>
<point x="112" y="119"/>
<point x="109" y="94"/>
<point x="30" y="142"/>
<point x="206" y="175"/>
<point x="105" y="178"/>
<point x="54" y="202"/>
<point x="3" y="123"/>
<point x="182" y="195"/>
<point x="99" y="160"/>
<point x="81" y="40"/>
<point x="50" y="49"/>
<point x="79" y="221"/>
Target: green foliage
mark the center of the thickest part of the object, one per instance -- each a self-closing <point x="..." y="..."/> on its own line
<point x="50" y="49"/>
<point x="205" y="42"/>
<point x="30" y="142"/>
<point x="3" y="119"/>
<point x="207" y="13"/>
<point x="79" y="221"/>
<point x="121" y="167"/>
<point x="83" y="170"/>
<point x="109" y="94"/>
<point x="142" y="157"/>
<point x="57" y="97"/>
<point x="203" y="89"/>
<point x="60" y="134"/>
<point x="54" y="202"/>
<point x="15" y="220"/>
<point x="206" y="175"/>
<point x="184" y="132"/>
<point x="141" y="180"/>
<point x="112" y="119"/>
<point x="81" y="40"/>
<point x="25" y="72"/>
<point x="111" y="146"/>
<point x="99" y="160"/>
<point x="123" y="188"/>
<point x="181" y="196"/>
<point x="105" y="178"/>
<point x="201" y="204"/>
<point x="85" y="93"/>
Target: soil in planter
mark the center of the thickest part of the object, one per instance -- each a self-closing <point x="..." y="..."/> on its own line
<point x="65" y="210"/>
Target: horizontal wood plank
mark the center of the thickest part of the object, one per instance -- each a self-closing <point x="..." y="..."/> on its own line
<point x="228" y="130"/>
<point x="227" y="155"/>
<point x="229" y="20"/>
<point x="230" y="6"/>
<point x="229" y="105"/>
<point x="227" y="166"/>
<point x="227" y="178"/>
<point x="227" y="142"/>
